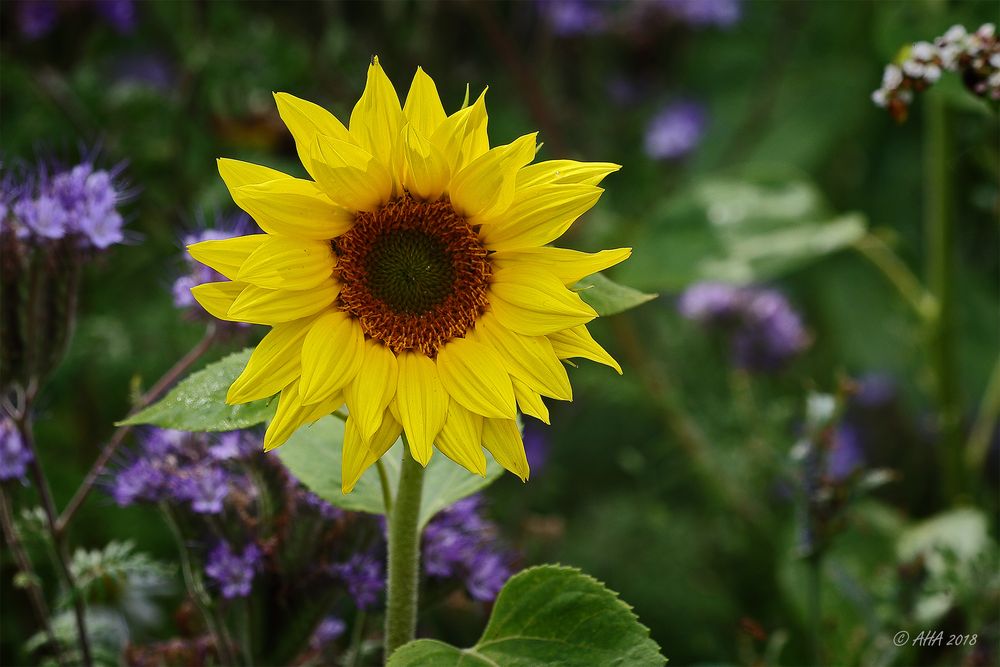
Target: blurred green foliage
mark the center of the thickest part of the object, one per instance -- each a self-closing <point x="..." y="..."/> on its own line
<point x="703" y="548"/>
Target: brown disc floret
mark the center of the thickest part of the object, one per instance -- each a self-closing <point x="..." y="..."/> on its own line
<point x="413" y="273"/>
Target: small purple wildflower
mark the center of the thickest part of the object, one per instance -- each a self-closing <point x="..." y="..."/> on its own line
<point x="14" y="456"/>
<point x="225" y="227"/>
<point x="675" y="131"/>
<point x="764" y="330"/>
<point x="206" y="487"/>
<point x="233" y="573"/>
<point x="120" y="14"/>
<point x="574" y="17"/>
<point x="460" y="543"/>
<point x="141" y="480"/>
<point x="364" y="577"/>
<point x="536" y="448"/>
<point x="328" y="631"/>
<point x="233" y="445"/>
<point x="699" y="13"/>
<point x="36" y="18"/>
<point x="846" y="454"/>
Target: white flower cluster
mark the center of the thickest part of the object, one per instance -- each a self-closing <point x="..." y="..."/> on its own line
<point x="975" y="56"/>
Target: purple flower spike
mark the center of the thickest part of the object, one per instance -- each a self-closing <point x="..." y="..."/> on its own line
<point x="328" y="631"/>
<point x="574" y="17"/>
<point x="142" y="480"/>
<point x="37" y="18"/>
<point x="233" y="573"/>
<point x="675" y="131"/>
<point x="206" y="489"/>
<point x="14" y="456"/>
<point x="364" y="577"/>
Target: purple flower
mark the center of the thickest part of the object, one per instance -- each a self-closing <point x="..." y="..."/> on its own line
<point x="233" y="445"/>
<point x="328" y="631"/>
<point x="36" y="18"/>
<point x="721" y="13"/>
<point x="364" y="577"/>
<point x="119" y="13"/>
<point x="142" y="480"/>
<point x="225" y="227"/>
<point x="764" y="331"/>
<point x="675" y="131"/>
<point x="574" y="17"/>
<point x="458" y="542"/>
<point x="42" y="215"/>
<point x="206" y="487"/>
<point x="536" y="448"/>
<point x="233" y="573"/>
<point x="846" y="454"/>
<point x="322" y="507"/>
<point x="14" y="456"/>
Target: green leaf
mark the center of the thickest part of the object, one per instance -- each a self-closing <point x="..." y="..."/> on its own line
<point x="548" y="615"/>
<point x="740" y="231"/>
<point x="608" y="297"/>
<point x="198" y="403"/>
<point x="313" y="454"/>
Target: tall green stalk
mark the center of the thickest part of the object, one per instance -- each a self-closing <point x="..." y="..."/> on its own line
<point x="404" y="555"/>
<point x="940" y="254"/>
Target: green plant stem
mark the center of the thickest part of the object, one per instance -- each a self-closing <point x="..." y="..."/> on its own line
<point x="978" y="445"/>
<point x="24" y="566"/>
<point x="404" y="556"/>
<point x="197" y="591"/>
<point x="882" y="257"/>
<point x="357" y="635"/>
<point x="816" y="608"/>
<point x="61" y="553"/>
<point x="940" y="253"/>
<point x="383" y="478"/>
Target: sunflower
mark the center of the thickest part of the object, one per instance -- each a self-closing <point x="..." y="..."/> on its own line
<point x="410" y="278"/>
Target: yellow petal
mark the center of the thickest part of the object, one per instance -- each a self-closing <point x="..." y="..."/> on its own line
<point x="569" y="266"/>
<point x="305" y="120"/>
<point x="535" y="303"/>
<point x="474" y="375"/>
<point x="423" y="109"/>
<point x="217" y="298"/>
<point x="331" y="355"/>
<point x="529" y="359"/>
<point x="350" y="175"/>
<point x="424" y="169"/>
<point x="377" y="117"/>
<point x="292" y="414"/>
<point x="286" y="263"/>
<point x="539" y="215"/>
<point x="236" y="173"/>
<point x="369" y="393"/>
<point x="461" y="439"/>
<point x="293" y="207"/>
<point x="268" y="306"/>
<point x="503" y="440"/>
<point x="530" y="402"/>
<point x="421" y="402"/>
<point x="577" y="342"/>
<point x="486" y="186"/>
<point x="274" y="364"/>
<point x="226" y="255"/>
<point x="462" y="136"/>
<point x="359" y="454"/>
<point x="565" y="171"/>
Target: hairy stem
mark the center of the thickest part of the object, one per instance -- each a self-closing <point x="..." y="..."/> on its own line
<point x="58" y="544"/>
<point x="168" y="379"/>
<point x="404" y="556"/>
<point x="24" y="566"/>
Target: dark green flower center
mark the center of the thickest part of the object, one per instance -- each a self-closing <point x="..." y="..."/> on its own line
<point x="410" y="271"/>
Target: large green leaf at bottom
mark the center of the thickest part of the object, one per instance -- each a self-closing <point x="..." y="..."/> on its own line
<point x="547" y="615"/>
<point x="313" y="454"/>
<point x="198" y="402"/>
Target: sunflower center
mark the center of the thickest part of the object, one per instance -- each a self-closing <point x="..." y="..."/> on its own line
<point x="414" y="274"/>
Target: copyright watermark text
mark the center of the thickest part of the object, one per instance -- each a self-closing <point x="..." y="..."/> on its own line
<point x="933" y="638"/>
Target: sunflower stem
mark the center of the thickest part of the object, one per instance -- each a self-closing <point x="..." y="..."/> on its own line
<point x="404" y="556"/>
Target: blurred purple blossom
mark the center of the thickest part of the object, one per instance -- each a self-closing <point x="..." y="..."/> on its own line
<point x="536" y="448"/>
<point x="233" y="445"/>
<point x="846" y="454"/>
<point x="765" y="332"/>
<point x="721" y="13"/>
<point x="205" y="487"/>
<point x="36" y="18"/>
<point x="364" y="576"/>
<point x="14" y="456"/>
<point x="120" y="14"/>
<point x="141" y="480"/>
<point x="224" y="227"/>
<point x="233" y="573"/>
<point x="458" y="542"/>
<point x="675" y="131"/>
<point x="574" y="17"/>
<point x="329" y="630"/>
